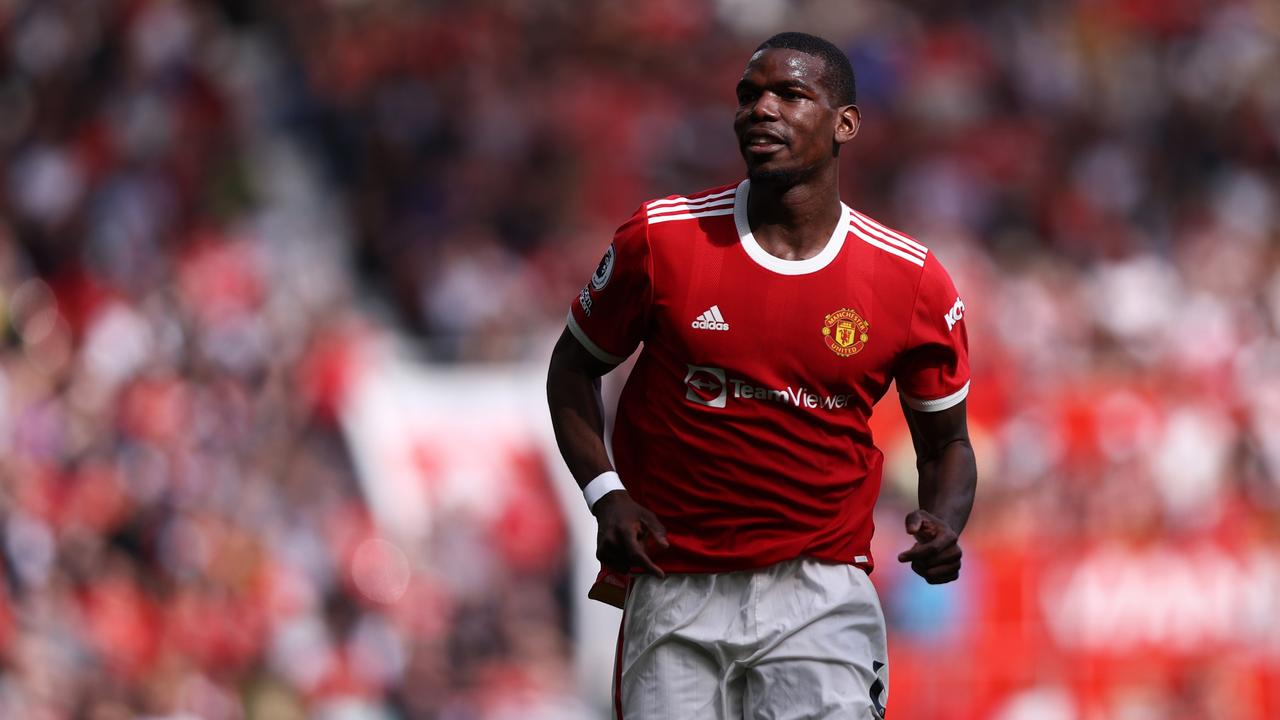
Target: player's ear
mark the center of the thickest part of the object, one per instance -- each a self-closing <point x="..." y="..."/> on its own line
<point x="848" y="119"/>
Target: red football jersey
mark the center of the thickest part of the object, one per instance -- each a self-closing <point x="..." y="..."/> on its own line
<point x="744" y="424"/>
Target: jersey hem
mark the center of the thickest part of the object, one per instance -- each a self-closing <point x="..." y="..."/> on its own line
<point x="863" y="561"/>
<point x="591" y="347"/>
<point x="938" y="404"/>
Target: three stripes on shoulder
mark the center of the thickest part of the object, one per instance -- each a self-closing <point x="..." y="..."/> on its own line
<point x="891" y="241"/>
<point x="682" y="208"/>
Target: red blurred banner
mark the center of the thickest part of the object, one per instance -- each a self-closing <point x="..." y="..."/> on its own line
<point x="1166" y="630"/>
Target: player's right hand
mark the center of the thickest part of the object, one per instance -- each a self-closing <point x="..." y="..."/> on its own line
<point x="624" y="528"/>
<point x="936" y="554"/>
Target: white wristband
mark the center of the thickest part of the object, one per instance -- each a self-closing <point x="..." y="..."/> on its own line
<point x="603" y="484"/>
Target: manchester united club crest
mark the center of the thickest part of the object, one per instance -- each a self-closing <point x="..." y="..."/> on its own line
<point x="845" y="332"/>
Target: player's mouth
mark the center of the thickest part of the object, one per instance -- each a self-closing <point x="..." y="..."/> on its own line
<point x="761" y="142"/>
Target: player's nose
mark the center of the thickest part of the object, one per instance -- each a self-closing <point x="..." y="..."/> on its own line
<point x="765" y="107"/>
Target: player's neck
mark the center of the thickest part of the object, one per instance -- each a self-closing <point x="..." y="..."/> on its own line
<point x="794" y="222"/>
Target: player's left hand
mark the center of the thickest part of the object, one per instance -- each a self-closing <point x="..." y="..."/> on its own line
<point x="936" y="554"/>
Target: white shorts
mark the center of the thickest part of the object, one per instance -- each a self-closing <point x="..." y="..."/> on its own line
<point x="800" y="639"/>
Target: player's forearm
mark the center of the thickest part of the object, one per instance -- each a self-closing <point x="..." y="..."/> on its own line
<point x="578" y="419"/>
<point x="948" y="483"/>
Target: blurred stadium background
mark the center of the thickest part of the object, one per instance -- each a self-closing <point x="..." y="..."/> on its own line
<point x="278" y="281"/>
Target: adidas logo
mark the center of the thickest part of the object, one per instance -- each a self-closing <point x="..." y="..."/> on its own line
<point x="710" y="320"/>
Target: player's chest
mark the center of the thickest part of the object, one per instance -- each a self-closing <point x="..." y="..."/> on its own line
<point x="835" y="325"/>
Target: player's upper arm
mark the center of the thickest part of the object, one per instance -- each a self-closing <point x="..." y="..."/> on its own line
<point x="611" y="314"/>
<point x="932" y="372"/>
<point x="569" y="355"/>
<point x="932" y="431"/>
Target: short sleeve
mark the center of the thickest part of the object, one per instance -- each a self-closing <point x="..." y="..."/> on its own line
<point x="611" y="312"/>
<point x="933" y="371"/>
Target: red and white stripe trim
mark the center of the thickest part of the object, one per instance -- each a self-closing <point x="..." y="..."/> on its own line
<point x="600" y="353"/>
<point x="691" y="206"/>
<point x="617" y="655"/>
<point x="683" y="208"/>
<point x="937" y="404"/>
<point x="891" y="241"/>
<point x="892" y="233"/>
<point x="700" y="199"/>
<point x="655" y="219"/>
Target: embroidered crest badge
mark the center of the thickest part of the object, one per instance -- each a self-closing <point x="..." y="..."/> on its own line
<point x="844" y="332"/>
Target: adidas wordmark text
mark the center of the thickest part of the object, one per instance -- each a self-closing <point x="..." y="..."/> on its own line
<point x="710" y="320"/>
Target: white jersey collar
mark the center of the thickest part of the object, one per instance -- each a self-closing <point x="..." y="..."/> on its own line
<point x="777" y="264"/>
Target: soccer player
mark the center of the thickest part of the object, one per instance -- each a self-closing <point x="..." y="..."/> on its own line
<point x="736" y="523"/>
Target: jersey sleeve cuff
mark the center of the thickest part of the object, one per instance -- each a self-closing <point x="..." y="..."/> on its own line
<point x="938" y="404"/>
<point x="591" y="347"/>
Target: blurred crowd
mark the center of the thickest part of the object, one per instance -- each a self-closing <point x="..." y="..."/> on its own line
<point x="183" y="533"/>
<point x="205" y="205"/>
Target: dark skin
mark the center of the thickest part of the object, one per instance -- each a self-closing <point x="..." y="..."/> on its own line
<point x="626" y="531"/>
<point x="789" y="129"/>
<point x="948" y="478"/>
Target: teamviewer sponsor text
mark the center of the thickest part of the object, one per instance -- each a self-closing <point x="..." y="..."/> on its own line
<point x="799" y="397"/>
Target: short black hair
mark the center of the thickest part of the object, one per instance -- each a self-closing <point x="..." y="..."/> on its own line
<point x="838" y="76"/>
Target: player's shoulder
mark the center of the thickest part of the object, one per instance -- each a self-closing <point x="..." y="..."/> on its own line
<point x="904" y="252"/>
<point x="712" y="202"/>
